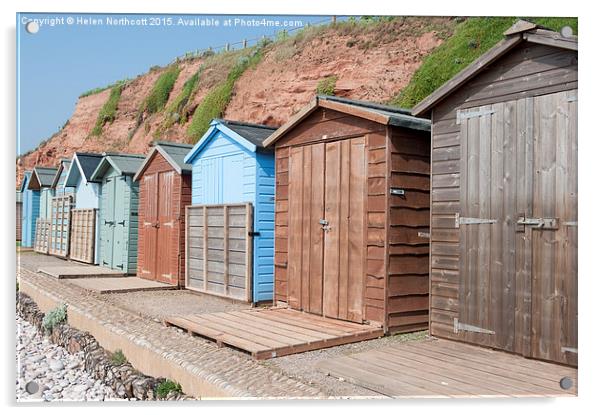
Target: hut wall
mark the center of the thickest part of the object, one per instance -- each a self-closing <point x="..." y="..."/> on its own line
<point x="408" y="227"/>
<point x="526" y="71"/>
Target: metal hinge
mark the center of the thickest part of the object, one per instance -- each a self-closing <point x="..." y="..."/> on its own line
<point x="463" y="115"/>
<point x="396" y="191"/>
<point x="472" y="221"/>
<point x="571" y="99"/>
<point x="469" y="327"/>
<point x="570" y="223"/>
<point x="569" y="350"/>
<point x="424" y="234"/>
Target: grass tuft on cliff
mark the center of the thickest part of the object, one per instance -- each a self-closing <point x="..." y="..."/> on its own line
<point x="108" y="110"/>
<point x="215" y="102"/>
<point x="175" y="110"/>
<point x="158" y="96"/>
<point x="471" y="39"/>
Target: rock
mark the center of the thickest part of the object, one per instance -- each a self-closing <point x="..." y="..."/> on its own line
<point x="55" y="365"/>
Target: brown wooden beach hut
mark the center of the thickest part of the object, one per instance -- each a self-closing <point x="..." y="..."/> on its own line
<point x="352" y="213"/>
<point x="504" y="198"/>
<point x="165" y="191"/>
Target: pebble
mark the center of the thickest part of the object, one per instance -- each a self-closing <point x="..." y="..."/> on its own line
<point x="58" y="374"/>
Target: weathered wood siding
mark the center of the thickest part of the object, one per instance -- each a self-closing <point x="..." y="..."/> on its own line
<point x="408" y="227"/>
<point x="82" y="243"/>
<point x="60" y="225"/>
<point x="41" y="241"/>
<point x="529" y="70"/>
<point x="18" y="219"/>
<point x="219" y="249"/>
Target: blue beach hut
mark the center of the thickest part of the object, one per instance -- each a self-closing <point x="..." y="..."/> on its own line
<point x="230" y="166"/>
<point x="31" y="210"/>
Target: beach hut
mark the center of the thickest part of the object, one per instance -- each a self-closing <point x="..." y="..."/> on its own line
<point x="60" y="211"/>
<point x="118" y="210"/>
<point x="41" y="181"/>
<point x="19" y="214"/>
<point x="230" y="241"/>
<point x="352" y="213"/>
<point x="504" y="198"/>
<point x="84" y="239"/>
<point x="165" y="191"/>
<point x="31" y="210"/>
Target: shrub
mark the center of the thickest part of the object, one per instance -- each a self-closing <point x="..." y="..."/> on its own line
<point x="108" y="110"/>
<point x="327" y="85"/>
<point x="217" y="99"/>
<point x="118" y="358"/>
<point x="100" y="89"/>
<point x="158" y="96"/>
<point x="54" y="317"/>
<point x="167" y="386"/>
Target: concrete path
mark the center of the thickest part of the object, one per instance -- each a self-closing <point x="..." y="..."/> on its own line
<point x="74" y="270"/>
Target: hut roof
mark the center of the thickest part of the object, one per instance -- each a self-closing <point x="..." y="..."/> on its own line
<point x="42" y="177"/>
<point x="249" y="136"/>
<point x="64" y="164"/>
<point x="521" y="31"/>
<point x="174" y="153"/>
<point x="82" y="164"/>
<point x="25" y="181"/>
<point x="381" y="114"/>
<point x="125" y="164"/>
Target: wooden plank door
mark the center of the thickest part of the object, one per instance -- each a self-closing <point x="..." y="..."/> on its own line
<point x="553" y="334"/>
<point x="149" y="226"/>
<point x="517" y="220"/>
<point x="121" y="224"/>
<point x="166" y="228"/>
<point x="306" y="236"/>
<point x="326" y="229"/>
<point x="344" y="243"/>
<point x="108" y="221"/>
<point x="488" y="188"/>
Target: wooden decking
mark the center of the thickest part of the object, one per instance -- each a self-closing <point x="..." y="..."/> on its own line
<point x="119" y="285"/>
<point x="442" y="368"/>
<point x="71" y="270"/>
<point x="268" y="333"/>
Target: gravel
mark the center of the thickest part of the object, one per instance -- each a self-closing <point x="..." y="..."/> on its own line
<point x="55" y="373"/>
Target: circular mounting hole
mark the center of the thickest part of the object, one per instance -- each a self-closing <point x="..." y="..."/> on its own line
<point x="32" y="27"/>
<point x="566" y="383"/>
<point x="32" y="387"/>
<point x="566" y="31"/>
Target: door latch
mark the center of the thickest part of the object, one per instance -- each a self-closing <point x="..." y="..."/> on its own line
<point x="325" y="225"/>
<point x="538" y="223"/>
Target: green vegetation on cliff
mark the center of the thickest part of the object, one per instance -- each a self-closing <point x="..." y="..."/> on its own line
<point x="108" y="110"/>
<point x="471" y="39"/>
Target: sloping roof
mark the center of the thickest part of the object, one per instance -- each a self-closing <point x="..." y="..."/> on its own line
<point x="83" y="164"/>
<point x="25" y="181"/>
<point x="521" y="31"/>
<point x="64" y="164"/>
<point x="42" y="177"/>
<point x="125" y="164"/>
<point x="249" y="136"/>
<point x="379" y="113"/>
<point x="174" y="153"/>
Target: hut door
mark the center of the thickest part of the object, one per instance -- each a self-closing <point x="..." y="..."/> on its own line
<point x="166" y="223"/>
<point x="327" y="220"/>
<point x="517" y="221"/>
<point x="108" y="221"/>
<point x="149" y="227"/>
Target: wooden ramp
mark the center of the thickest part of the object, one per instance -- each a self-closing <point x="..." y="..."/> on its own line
<point x="120" y="285"/>
<point x="442" y="368"/>
<point x="275" y="332"/>
<point x="71" y="270"/>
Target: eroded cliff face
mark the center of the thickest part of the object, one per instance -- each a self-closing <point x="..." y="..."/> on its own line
<point x="371" y="63"/>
